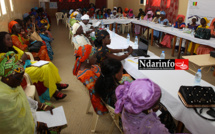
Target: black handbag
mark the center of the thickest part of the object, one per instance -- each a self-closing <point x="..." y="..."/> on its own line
<point x="35" y="46"/>
<point x="203" y="33"/>
<point x="197" y="97"/>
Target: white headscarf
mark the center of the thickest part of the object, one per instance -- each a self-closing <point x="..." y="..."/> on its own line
<point x="70" y="12"/>
<point x="75" y="28"/>
<point x="85" y="17"/>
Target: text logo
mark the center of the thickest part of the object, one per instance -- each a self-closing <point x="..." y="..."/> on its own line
<point x="163" y="64"/>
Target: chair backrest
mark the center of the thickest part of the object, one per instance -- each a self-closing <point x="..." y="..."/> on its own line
<point x="59" y="15"/>
<point x="30" y="55"/>
<point x="65" y="16"/>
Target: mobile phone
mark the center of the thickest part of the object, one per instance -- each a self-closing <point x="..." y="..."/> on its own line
<point x="211" y="112"/>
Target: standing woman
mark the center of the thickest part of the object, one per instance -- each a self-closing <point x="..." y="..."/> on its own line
<point x="204" y="24"/>
<point x="103" y="39"/>
<point x="47" y="74"/>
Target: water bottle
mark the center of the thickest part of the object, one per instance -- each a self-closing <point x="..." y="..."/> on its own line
<point x="108" y="28"/>
<point x="103" y="25"/>
<point x="172" y="27"/>
<point x="147" y="21"/>
<point x="198" y="77"/>
<point x="113" y="32"/>
<point x="162" y="55"/>
<point x="140" y="17"/>
<point x="94" y="16"/>
<point x="136" y="41"/>
<point x="128" y="38"/>
<point x="133" y="17"/>
<point x="192" y="33"/>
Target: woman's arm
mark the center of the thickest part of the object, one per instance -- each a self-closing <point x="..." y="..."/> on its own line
<point x="18" y="44"/>
<point x="110" y="55"/>
<point x="119" y="50"/>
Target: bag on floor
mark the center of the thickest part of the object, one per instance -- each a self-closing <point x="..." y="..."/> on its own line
<point x="203" y="33"/>
<point x="35" y="36"/>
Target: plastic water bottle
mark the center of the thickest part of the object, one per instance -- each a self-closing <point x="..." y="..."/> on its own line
<point x="140" y="17"/>
<point x="128" y="38"/>
<point x="162" y="55"/>
<point x="198" y="77"/>
<point x="94" y="17"/>
<point x="103" y="25"/>
<point x="172" y="27"/>
<point x="136" y="41"/>
<point x="113" y="32"/>
<point x="108" y="28"/>
<point x="133" y="17"/>
<point x="147" y="21"/>
<point x="192" y="33"/>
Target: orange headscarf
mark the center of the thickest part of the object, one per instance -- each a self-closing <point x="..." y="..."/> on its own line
<point x="10" y="25"/>
<point x="180" y="16"/>
<point x="126" y="9"/>
<point x="83" y="53"/>
<point x="212" y="27"/>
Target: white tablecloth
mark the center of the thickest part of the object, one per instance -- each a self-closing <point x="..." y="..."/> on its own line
<point x="170" y="82"/>
<point x="176" y="32"/>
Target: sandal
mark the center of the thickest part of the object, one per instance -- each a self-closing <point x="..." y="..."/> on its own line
<point x="62" y="86"/>
<point x="59" y="95"/>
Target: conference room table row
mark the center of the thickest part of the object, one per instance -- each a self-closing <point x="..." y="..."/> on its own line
<point x="175" y="32"/>
<point x="170" y="82"/>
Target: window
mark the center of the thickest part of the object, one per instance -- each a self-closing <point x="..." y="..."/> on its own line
<point x="3" y="8"/>
<point x="11" y="5"/>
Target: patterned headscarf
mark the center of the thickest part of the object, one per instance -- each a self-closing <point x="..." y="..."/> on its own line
<point x="146" y="17"/>
<point x="10" y="25"/>
<point x="135" y="97"/>
<point x="82" y="54"/>
<point x="9" y="64"/>
<point x="129" y="13"/>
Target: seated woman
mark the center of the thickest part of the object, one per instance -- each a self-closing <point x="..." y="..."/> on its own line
<point x="87" y="72"/>
<point x="204" y="24"/>
<point x="168" y="38"/>
<point x="130" y="13"/>
<point x="193" y="25"/>
<point x="138" y="101"/>
<point x="78" y="36"/>
<point x="17" y="111"/>
<point x="202" y="49"/>
<point x="103" y="39"/>
<point x="162" y="20"/>
<point x="91" y="12"/>
<point x="111" y="77"/>
<point x="125" y="13"/>
<point x="87" y="28"/>
<point x="141" y="14"/>
<point x="21" y="41"/>
<point x="99" y="15"/>
<point x="47" y="74"/>
<point x="119" y="12"/>
<point x="108" y="13"/>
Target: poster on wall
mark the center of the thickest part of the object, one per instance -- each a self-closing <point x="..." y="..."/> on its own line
<point x="53" y="5"/>
<point x="201" y="8"/>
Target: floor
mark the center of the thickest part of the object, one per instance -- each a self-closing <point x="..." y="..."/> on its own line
<point x="76" y="102"/>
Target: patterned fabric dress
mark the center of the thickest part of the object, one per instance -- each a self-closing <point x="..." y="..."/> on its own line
<point x="88" y="77"/>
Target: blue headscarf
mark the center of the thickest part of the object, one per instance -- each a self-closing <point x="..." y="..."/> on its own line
<point x="163" y="12"/>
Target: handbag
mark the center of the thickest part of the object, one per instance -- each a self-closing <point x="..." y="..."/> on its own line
<point x="35" y="36"/>
<point x="35" y="46"/>
<point x="197" y="97"/>
<point x="203" y="33"/>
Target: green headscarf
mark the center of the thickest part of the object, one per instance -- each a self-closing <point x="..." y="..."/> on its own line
<point x="9" y="64"/>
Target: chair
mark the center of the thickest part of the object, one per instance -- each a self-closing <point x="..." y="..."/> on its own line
<point x="65" y="19"/>
<point x="30" y="90"/>
<point x="128" y="26"/>
<point x="30" y="55"/>
<point x="59" y="16"/>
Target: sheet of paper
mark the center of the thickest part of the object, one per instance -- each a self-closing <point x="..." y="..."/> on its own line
<point x="40" y="63"/>
<point x="97" y="24"/>
<point x="57" y="119"/>
<point x="158" y="113"/>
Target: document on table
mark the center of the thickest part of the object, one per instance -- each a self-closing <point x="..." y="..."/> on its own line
<point x="57" y="119"/>
<point x="97" y="24"/>
<point x="40" y="63"/>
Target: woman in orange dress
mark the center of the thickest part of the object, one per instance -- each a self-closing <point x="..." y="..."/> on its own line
<point x="22" y="43"/>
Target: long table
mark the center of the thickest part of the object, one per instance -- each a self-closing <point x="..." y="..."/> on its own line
<point x="175" y="32"/>
<point x="170" y="82"/>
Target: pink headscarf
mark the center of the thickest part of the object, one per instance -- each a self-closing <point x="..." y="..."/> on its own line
<point x="137" y="96"/>
<point x="129" y="13"/>
<point x="146" y="17"/>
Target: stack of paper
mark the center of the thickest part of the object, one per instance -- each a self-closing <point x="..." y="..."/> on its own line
<point x="40" y="63"/>
<point x="57" y="119"/>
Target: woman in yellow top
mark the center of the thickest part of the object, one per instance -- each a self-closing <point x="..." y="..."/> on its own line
<point x="17" y="110"/>
<point x="204" y="24"/>
<point x="48" y="74"/>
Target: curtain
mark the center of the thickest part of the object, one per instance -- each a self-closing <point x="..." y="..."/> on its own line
<point x="171" y="9"/>
<point x="169" y="6"/>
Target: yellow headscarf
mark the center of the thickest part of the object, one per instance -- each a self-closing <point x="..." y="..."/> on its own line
<point x="206" y="19"/>
<point x="73" y="15"/>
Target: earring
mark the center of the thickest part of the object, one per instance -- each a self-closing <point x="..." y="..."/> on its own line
<point x="7" y="79"/>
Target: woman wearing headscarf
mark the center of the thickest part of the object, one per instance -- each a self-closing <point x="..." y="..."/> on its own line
<point x="110" y="77"/>
<point x="23" y="42"/>
<point x="203" y="49"/>
<point x="87" y="28"/>
<point x="168" y="38"/>
<point x="137" y="102"/>
<point x="130" y="13"/>
<point x="47" y="74"/>
<point x="125" y="13"/>
<point x="162" y="20"/>
<point x="18" y="112"/>
<point x="78" y="36"/>
<point x="149" y="16"/>
<point x="88" y="72"/>
<point x="108" y="13"/>
<point x="101" y="42"/>
<point x="72" y="18"/>
<point x="192" y="22"/>
<point x="204" y="24"/>
<point x="141" y="14"/>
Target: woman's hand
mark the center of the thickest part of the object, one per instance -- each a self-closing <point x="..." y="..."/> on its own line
<point x="24" y="57"/>
<point x="49" y="108"/>
<point x="41" y="127"/>
<point x="130" y="50"/>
